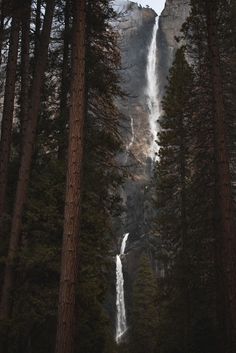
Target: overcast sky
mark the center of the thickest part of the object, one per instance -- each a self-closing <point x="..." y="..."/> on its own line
<point x="156" y="5"/>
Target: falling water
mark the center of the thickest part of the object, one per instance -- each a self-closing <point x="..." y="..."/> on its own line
<point x="121" y="324"/>
<point x="152" y="91"/>
<point x="132" y="132"/>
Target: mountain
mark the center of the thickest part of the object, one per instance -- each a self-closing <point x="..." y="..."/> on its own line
<point x="135" y="28"/>
<point x="170" y="23"/>
<point x="136" y="31"/>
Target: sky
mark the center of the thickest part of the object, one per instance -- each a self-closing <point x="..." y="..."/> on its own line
<point x="156" y="5"/>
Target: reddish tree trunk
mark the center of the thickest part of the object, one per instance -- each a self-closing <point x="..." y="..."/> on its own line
<point x="65" y="85"/>
<point x="1" y="29"/>
<point x="37" y="27"/>
<point x="8" y="109"/>
<point x="26" y="160"/>
<point x="69" y="268"/>
<point x="225" y="198"/>
<point x="25" y="67"/>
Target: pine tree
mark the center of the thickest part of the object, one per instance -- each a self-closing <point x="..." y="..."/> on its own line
<point x="207" y="34"/>
<point x="37" y="267"/>
<point x="185" y="199"/>
<point x="8" y="107"/>
<point x="25" y="66"/>
<point x="63" y="119"/>
<point x="172" y="175"/>
<point x="26" y="160"/>
<point x="69" y="269"/>
<point x="144" y="309"/>
<point x="225" y="199"/>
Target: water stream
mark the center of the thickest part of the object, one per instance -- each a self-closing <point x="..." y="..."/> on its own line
<point x="132" y="132"/>
<point x="121" y="323"/>
<point x="152" y="91"/>
<point x="154" y="113"/>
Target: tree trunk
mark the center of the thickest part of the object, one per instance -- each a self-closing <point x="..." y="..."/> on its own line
<point x="37" y="27"/>
<point x="65" y="86"/>
<point x="225" y="198"/>
<point x="26" y="160"/>
<point x="25" y="67"/>
<point x="8" y="109"/>
<point x="1" y="30"/>
<point x="65" y="340"/>
<point x="184" y="229"/>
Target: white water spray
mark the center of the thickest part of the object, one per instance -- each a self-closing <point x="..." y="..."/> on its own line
<point x="121" y="323"/>
<point x="132" y="132"/>
<point x="152" y="91"/>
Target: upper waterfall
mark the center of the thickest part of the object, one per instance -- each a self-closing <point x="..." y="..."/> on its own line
<point x="152" y="90"/>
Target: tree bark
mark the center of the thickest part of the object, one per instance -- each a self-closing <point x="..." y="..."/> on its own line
<point x="26" y="160"/>
<point x="184" y="229"/>
<point x="65" y="340"/>
<point x="8" y="109"/>
<point x="65" y="86"/>
<point x="37" y="27"/>
<point x="1" y="29"/>
<point x="25" y="68"/>
<point x="225" y="198"/>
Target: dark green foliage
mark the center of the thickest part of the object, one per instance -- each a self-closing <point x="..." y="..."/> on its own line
<point x="143" y="331"/>
<point x="192" y="311"/>
<point x="185" y="177"/>
<point x="101" y="181"/>
<point x="33" y="324"/>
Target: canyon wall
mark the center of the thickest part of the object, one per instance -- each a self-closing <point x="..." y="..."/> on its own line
<point x="170" y="22"/>
<point x="135" y="28"/>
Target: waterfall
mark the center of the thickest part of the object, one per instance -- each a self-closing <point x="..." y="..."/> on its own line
<point x="121" y="324"/>
<point x="152" y="91"/>
<point x="132" y="132"/>
<point x="123" y="244"/>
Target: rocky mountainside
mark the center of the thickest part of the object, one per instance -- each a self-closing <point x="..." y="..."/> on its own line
<point x="170" y="23"/>
<point x="135" y="28"/>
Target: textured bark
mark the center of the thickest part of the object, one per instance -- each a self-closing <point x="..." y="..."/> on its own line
<point x="225" y="198"/>
<point x="37" y="27"/>
<point x="1" y="30"/>
<point x="69" y="268"/>
<point x="26" y="160"/>
<point x="8" y="109"/>
<point x="65" y="85"/>
<point x="25" y="67"/>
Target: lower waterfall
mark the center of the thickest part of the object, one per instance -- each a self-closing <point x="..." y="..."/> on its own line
<point x="121" y="323"/>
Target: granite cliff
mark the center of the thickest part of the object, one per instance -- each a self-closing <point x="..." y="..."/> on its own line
<point x="170" y="23"/>
<point x="135" y="28"/>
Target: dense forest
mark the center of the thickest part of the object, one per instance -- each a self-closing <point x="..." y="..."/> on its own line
<point x="61" y="178"/>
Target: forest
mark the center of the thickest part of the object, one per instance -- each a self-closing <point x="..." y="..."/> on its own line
<point x="117" y="205"/>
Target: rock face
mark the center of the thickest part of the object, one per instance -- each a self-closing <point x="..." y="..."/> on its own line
<point x="135" y="31"/>
<point x="170" y="22"/>
<point x="135" y="28"/>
